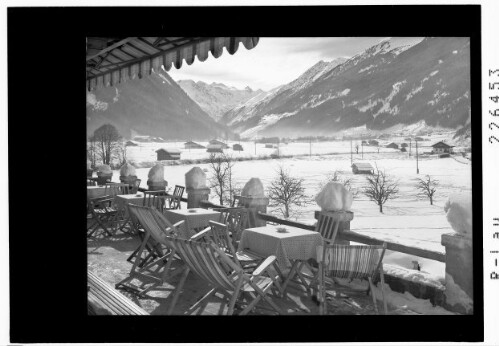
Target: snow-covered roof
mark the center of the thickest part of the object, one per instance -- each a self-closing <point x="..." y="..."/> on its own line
<point x="442" y="145"/>
<point x="363" y="166"/>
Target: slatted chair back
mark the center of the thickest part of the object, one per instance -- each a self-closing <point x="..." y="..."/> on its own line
<point x="178" y="192"/>
<point x="208" y="261"/>
<point x="91" y="182"/>
<point x="136" y="185"/>
<point x="221" y="237"/>
<point x="114" y="189"/>
<point x="351" y="261"/>
<point x="156" y="199"/>
<point x="145" y="217"/>
<point x="236" y="219"/>
<point x="327" y="226"/>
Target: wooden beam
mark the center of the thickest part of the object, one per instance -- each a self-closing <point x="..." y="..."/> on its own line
<point x="137" y="48"/>
<point x="147" y="43"/>
<point x="105" y="50"/>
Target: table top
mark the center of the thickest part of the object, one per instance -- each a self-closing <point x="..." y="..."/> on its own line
<point x="95" y="187"/>
<point x="291" y="232"/>
<point x="192" y="212"/>
<point x="131" y="196"/>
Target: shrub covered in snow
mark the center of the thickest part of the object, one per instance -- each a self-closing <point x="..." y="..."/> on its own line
<point x="156" y="173"/>
<point x="334" y="196"/>
<point x="253" y="188"/>
<point x="459" y="213"/>
<point x="127" y="170"/>
<point x="104" y="169"/>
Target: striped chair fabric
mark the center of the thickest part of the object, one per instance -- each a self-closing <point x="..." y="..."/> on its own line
<point x="350" y="261"/>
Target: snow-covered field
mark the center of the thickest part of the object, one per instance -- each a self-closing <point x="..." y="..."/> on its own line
<point x="409" y="219"/>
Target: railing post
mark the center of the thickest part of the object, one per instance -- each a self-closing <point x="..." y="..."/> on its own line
<point x="459" y="255"/>
<point x="253" y="198"/>
<point x="156" y="178"/>
<point x="195" y="185"/>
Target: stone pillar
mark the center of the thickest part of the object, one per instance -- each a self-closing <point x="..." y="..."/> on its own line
<point x="156" y="178"/>
<point x="335" y="200"/>
<point x="104" y="174"/>
<point x="195" y="185"/>
<point x="459" y="255"/>
<point x="253" y="198"/>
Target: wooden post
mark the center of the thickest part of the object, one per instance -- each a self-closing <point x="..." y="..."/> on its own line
<point x="417" y="158"/>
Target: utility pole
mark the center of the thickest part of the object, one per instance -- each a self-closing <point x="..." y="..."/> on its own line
<point x="410" y="146"/>
<point x="351" y="155"/>
<point x="255" y="146"/>
<point x="310" y="146"/>
<point x="417" y="164"/>
<point x="362" y="150"/>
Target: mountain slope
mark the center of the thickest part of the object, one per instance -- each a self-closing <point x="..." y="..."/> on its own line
<point x="377" y="89"/>
<point x="216" y="98"/>
<point x="154" y="105"/>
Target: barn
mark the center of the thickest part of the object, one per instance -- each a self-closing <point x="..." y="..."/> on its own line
<point x="217" y="142"/>
<point x="237" y="147"/>
<point x="441" y="148"/>
<point x="392" y="145"/>
<point x="168" y="154"/>
<point x="373" y="142"/>
<point x="193" y="145"/>
<point x="215" y="148"/>
<point x="362" y="168"/>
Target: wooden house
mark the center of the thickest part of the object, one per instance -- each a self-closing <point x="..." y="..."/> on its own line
<point x="168" y="154"/>
<point x="217" y="142"/>
<point x="215" y="148"/>
<point x="373" y="142"/>
<point x="362" y="168"/>
<point x="131" y="144"/>
<point x="392" y="145"/>
<point x="441" y="148"/>
<point x="237" y="147"/>
<point x="404" y="145"/>
<point x="193" y="145"/>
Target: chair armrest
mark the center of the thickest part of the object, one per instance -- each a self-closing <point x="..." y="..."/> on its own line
<point x="174" y="226"/>
<point x="264" y="265"/>
<point x="201" y="234"/>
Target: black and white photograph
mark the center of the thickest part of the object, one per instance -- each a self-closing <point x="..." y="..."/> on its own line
<point x="261" y="179"/>
<point x="323" y="164"/>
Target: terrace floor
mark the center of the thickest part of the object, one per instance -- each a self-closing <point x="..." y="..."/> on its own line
<point x="107" y="259"/>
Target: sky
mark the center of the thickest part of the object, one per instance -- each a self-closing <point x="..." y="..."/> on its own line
<point x="277" y="61"/>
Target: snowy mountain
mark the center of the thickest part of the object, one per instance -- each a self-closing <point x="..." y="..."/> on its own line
<point x="216" y="98"/>
<point x="380" y="89"/>
<point x="153" y="106"/>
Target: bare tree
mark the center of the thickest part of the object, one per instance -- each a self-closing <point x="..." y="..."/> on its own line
<point x="286" y="191"/>
<point x="121" y="154"/>
<point x="336" y="176"/>
<point x="380" y="188"/>
<point x="107" y="139"/>
<point x="222" y="179"/>
<point x="92" y="151"/>
<point x="427" y="187"/>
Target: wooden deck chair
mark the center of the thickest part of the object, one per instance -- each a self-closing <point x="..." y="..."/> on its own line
<point x="209" y="262"/>
<point x="156" y="199"/>
<point x="91" y="182"/>
<point x="158" y="271"/>
<point x="176" y="198"/>
<point x="104" y="215"/>
<point x="236" y="219"/>
<point x="327" y="226"/>
<point x="219" y="234"/>
<point x="363" y="262"/>
<point x="113" y="189"/>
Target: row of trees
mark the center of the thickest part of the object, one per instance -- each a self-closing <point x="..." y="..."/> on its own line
<point x="287" y="192"/>
<point x="106" y="146"/>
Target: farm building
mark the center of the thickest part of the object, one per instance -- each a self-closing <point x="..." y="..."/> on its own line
<point x="441" y="147"/>
<point x="217" y="142"/>
<point x="193" y="145"/>
<point x="419" y="139"/>
<point x="168" y="154"/>
<point x="215" y="148"/>
<point x="237" y="147"/>
<point x="404" y="145"/>
<point x="403" y="150"/>
<point x="373" y="142"/>
<point x="392" y="145"/>
<point x="362" y="168"/>
<point x="131" y="144"/>
<point x="270" y="146"/>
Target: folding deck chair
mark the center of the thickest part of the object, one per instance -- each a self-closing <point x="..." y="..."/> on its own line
<point x="363" y="262"/>
<point x="213" y="265"/>
<point x="159" y="270"/>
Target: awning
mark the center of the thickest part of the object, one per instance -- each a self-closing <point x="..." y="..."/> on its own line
<point x="113" y="60"/>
